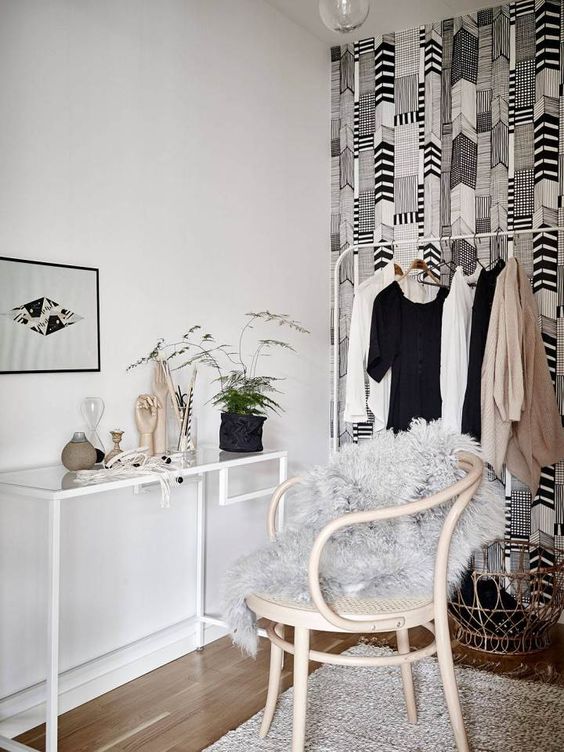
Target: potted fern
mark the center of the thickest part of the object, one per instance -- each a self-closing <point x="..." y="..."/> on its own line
<point x="245" y="395"/>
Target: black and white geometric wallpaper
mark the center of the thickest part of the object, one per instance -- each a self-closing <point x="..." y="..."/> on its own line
<point x="457" y="128"/>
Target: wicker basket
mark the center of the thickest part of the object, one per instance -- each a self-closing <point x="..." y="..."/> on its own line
<point x="510" y="612"/>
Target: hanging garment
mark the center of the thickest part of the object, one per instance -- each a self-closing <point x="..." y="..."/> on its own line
<point x="359" y="340"/>
<point x="455" y="341"/>
<point x="359" y="343"/>
<point x="406" y="337"/>
<point x="521" y="424"/>
<point x="481" y="311"/>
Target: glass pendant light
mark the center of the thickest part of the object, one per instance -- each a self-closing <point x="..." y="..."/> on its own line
<point x="343" y="15"/>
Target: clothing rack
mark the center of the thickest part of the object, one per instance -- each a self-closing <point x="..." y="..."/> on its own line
<point x="391" y="245"/>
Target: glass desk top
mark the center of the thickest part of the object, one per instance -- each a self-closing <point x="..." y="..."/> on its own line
<point x="55" y="481"/>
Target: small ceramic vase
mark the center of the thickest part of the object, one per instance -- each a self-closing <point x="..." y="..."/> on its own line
<point x="116" y="438"/>
<point x="78" y="454"/>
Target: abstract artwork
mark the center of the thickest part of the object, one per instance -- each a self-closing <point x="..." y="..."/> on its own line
<point x="49" y="317"/>
<point x="43" y="316"/>
<point x="457" y="128"/>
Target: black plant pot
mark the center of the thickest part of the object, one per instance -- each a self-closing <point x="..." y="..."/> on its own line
<point x="241" y="433"/>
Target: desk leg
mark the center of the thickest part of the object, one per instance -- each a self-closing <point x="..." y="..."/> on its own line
<point x="201" y="561"/>
<point x="282" y="476"/>
<point x="53" y="626"/>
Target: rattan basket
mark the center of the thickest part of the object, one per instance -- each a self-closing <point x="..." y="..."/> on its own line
<point x="509" y="605"/>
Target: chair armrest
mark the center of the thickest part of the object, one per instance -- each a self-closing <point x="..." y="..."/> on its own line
<point x="464" y="489"/>
<point x="271" y="527"/>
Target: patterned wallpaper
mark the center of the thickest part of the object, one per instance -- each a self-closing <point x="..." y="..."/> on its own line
<point x="457" y="128"/>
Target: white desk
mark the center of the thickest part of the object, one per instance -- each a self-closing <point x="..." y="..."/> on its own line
<point x="54" y="485"/>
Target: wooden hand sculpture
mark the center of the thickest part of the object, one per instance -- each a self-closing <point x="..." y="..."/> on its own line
<point x="146" y="414"/>
<point x="161" y="392"/>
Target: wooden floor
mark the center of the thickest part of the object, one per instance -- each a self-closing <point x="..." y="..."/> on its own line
<point x="193" y="701"/>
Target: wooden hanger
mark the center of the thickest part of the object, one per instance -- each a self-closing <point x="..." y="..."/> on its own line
<point x="421" y="265"/>
<point x="421" y="276"/>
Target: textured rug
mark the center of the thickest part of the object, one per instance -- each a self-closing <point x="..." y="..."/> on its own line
<point x="362" y="710"/>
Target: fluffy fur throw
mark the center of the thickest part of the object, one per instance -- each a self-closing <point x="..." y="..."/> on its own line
<point x="386" y="559"/>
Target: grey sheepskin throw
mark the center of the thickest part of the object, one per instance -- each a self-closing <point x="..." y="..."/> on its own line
<point x="387" y="559"/>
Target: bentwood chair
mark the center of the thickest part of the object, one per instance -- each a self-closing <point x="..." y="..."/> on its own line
<point x="361" y="615"/>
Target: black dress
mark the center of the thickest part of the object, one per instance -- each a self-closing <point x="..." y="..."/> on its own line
<point x="481" y="312"/>
<point x="406" y="337"/>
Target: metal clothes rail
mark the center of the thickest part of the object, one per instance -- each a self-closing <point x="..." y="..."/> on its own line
<point x="391" y="245"/>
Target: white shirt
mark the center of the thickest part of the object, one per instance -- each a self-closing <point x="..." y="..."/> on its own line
<point x="455" y="344"/>
<point x="359" y="344"/>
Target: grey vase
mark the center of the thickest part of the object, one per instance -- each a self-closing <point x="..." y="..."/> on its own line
<point x="78" y="454"/>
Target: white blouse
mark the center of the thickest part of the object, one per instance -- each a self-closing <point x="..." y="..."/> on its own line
<point x="359" y="343"/>
<point x="455" y="344"/>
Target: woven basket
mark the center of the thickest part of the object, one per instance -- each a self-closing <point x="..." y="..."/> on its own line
<point x="513" y="610"/>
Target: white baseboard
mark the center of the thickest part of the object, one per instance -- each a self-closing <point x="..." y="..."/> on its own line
<point x="26" y="709"/>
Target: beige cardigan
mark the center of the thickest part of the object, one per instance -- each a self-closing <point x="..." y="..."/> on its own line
<point x="521" y="423"/>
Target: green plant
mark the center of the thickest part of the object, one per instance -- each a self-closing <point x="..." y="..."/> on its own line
<point x="241" y="390"/>
<point x="245" y="395"/>
<point x="192" y="348"/>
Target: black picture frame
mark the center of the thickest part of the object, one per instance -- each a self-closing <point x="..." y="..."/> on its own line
<point x="96" y="292"/>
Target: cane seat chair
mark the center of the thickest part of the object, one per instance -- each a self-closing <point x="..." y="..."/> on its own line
<point x="367" y="615"/>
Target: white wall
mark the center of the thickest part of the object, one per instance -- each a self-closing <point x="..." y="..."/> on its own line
<point x="181" y="147"/>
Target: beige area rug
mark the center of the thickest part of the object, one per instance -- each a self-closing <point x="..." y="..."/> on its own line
<point x="362" y="710"/>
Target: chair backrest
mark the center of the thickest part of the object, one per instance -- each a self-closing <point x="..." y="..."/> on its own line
<point x="462" y="491"/>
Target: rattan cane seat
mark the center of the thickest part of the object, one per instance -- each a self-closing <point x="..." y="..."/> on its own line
<point x="351" y="605"/>
<point x="412" y="611"/>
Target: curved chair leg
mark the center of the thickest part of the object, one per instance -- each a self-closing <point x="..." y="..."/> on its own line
<point x="407" y="677"/>
<point x="446" y="664"/>
<point x="301" y="663"/>
<point x="276" y="665"/>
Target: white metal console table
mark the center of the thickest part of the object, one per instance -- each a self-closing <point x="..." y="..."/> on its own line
<point x="54" y="484"/>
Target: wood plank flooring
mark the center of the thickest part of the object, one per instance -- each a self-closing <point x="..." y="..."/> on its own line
<point x="193" y="701"/>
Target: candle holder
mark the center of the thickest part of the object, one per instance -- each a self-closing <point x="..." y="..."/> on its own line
<point x="116" y="435"/>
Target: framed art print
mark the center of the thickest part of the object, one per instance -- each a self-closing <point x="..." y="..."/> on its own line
<point x="49" y="317"/>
